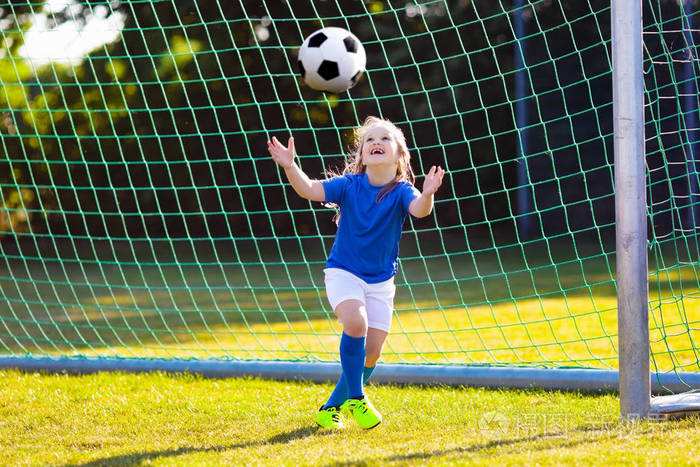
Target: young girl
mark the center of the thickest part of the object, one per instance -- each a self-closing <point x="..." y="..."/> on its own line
<point x="375" y="193"/>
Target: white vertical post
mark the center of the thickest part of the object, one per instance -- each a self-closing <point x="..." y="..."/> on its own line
<point x="630" y="209"/>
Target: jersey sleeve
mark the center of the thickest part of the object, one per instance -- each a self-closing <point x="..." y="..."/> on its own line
<point x="408" y="194"/>
<point x="334" y="189"/>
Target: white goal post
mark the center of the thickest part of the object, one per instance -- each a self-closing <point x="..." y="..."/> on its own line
<point x="631" y="224"/>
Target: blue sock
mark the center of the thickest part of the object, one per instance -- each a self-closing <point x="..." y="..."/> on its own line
<point x="366" y="373"/>
<point x="340" y="393"/>
<point x="352" y="359"/>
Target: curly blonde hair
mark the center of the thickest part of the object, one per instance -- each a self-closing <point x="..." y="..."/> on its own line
<point x="354" y="165"/>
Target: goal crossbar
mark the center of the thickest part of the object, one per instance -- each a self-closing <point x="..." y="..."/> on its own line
<point x="564" y="379"/>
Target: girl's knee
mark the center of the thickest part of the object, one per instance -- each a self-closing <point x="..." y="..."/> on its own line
<point x="353" y="317"/>
<point x="355" y="327"/>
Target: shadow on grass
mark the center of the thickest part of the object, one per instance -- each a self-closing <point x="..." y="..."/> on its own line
<point x="589" y="434"/>
<point x="138" y="458"/>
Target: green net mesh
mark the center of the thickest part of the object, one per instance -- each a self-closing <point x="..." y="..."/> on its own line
<point x="141" y="215"/>
<point x="671" y="69"/>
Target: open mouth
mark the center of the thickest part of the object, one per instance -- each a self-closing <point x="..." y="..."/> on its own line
<point x="376" y="151"/>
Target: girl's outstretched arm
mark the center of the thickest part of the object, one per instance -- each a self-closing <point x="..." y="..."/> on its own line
<point x="423" y="205"/>
<point x="302" y="184"/>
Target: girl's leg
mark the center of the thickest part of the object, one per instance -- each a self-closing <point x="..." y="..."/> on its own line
<point x="373" y="346"/>
<point x="353" y="317"/>
<point x="361" y="409"/>
<point x="373" y="349"/>
<point x="379" y="301"/>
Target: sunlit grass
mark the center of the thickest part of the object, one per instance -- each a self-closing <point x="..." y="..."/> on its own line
<point x="118" y="419"/>
<point x="457" y="311"/>
<point x="530" y="332"/>
<point x="489" y="312"/>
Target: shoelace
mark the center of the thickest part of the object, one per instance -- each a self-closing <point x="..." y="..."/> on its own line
<point x="361" y="405"/>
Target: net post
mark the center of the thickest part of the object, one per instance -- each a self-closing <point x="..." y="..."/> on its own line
<point x="690" y="115"/>
<point x="524" y="203"/>
<point x="630" y="210"/>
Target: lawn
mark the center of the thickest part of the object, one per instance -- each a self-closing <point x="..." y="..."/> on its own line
<point x="492" y="307"/>
<point x="515" y="305"/>
<point x="116" y="419"/>
<point x="507" y="306"/>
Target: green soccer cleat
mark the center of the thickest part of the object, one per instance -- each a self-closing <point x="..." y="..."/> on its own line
<point x="363" y="412"/>
<point x="329" y="417"/>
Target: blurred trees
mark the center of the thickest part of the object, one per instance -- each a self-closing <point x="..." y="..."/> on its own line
<point x="161" y="133"/>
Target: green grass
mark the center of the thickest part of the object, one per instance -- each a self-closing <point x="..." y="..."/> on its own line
<point x="121" y="419"/>
<point x="502" y="309"/>
<point x="472" y="309"/>
<point x="549" y="303"/>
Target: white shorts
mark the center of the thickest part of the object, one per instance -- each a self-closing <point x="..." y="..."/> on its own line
<point x="378" y="298"/>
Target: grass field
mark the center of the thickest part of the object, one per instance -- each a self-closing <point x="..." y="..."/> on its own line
<point x="117" y="419"/>
<point x="505" y="307"/>
<point x="536" y="306"/>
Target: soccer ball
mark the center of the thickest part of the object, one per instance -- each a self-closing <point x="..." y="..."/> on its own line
<point x="331" y="60"/>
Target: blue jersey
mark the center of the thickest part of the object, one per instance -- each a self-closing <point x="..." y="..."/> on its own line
<point x="367" y="242"/>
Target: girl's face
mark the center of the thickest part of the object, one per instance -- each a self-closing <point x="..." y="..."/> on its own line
<point x="379" y="146"/>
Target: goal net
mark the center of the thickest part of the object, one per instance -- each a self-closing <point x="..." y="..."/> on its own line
<point x="141" y="215"/>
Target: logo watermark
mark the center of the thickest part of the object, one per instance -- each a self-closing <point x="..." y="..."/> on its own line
<point x="498" y="423"/>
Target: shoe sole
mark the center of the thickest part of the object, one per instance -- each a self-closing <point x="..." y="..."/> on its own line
<point x="341" y="427"/>
<point x="373" y="426"/>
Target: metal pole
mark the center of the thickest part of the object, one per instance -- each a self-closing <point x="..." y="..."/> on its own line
<point x="690" y="117"/>
<point x="630" y="209"/>
<point x="559" y="379"/>
<point x="524" y="203"/>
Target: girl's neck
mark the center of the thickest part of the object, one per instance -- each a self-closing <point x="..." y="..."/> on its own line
<point x="380" y="175"/>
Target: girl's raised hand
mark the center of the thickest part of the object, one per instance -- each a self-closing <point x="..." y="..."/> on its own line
<point x="281" y="154"/>
<point x="433" y="180"/>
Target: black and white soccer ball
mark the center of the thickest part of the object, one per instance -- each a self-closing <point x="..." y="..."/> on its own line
<point x="332" y="60"/>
